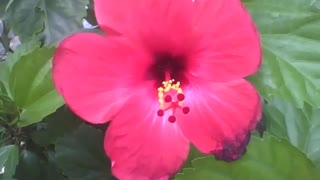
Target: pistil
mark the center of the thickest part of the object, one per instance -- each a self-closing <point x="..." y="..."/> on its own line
<point x="171" y="98"/>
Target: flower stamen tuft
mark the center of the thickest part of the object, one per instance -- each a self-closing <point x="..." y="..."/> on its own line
<point x="166" y="92"/>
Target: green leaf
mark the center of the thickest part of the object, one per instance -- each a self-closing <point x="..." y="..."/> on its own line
<point x="8" y="110"/>
<point x="30" y="167"/>
<point x="290" y="37"/>
<point x="32" y="87"/>
<point x="53" y="171"/>
<point x="24" y="18"/>
<point x="193" y="154"/>
<point x="3" y="5"/>
<point x="266" y="159"/>
<point x="5" y="137"/>
<point x="27" y="76"/>
<point x="9" y="158"/>
<point x="81" y="156"/>
<point x="54" y="126"/>
<point x="12" y="58"/>
<point x="63" y="18"/>
<point x="300" y="126"/>
<point x="51" y="20"/>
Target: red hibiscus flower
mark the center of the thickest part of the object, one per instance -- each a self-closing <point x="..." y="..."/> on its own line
<point x="167" y="73"/>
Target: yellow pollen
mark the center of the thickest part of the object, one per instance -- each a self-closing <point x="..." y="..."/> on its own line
<point x="168" y="86"/>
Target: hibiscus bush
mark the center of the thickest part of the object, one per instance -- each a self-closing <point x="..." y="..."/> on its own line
<point x="160" y="89"/>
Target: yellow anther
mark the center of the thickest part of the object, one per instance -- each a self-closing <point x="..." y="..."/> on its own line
<point x="167" y="87"/>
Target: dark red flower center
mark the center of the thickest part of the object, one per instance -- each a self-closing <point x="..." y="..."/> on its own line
<point x="167" y="66"/>
<point x="168" y="72"/>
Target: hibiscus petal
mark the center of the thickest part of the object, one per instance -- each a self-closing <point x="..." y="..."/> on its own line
<point x="228" y="44"/>
<point x="159" y="24"/>
<point x="96" y="75"/>
<point x="221" y="116"/>
<point x="143" y="146"/>
<point x="229" y="152"/>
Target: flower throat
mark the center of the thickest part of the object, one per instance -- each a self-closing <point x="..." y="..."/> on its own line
<point x="168" y="71"/>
